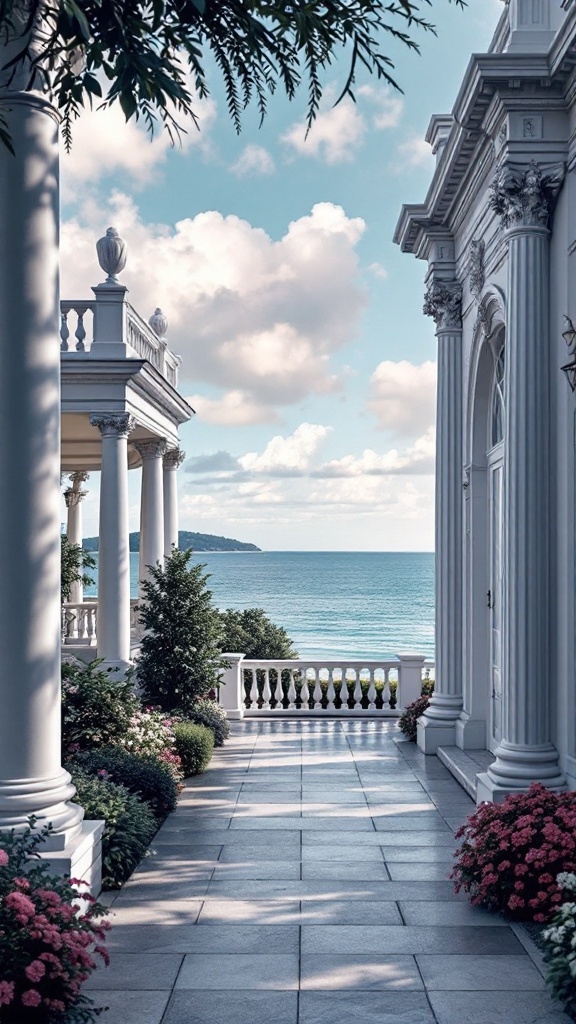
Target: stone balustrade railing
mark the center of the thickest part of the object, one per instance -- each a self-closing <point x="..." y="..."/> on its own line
<point x="79" y="623"/>
<point x="78" y="309"/>
<point x="331" y="687"/>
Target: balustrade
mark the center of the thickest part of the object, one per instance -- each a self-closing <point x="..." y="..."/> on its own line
<point x="79" y="623"/>
<point x="79" y="308"/>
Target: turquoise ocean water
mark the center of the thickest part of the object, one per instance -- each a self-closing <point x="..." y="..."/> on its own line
<point x="332" y="604"/>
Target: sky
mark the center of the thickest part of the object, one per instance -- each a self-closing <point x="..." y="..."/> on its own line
<point x="305" y="353"/>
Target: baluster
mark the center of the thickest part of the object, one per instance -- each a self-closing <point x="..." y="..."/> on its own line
<point x="279" y="692"/>
<point x="80" y="332"/>
<point x="305" y="691"/>
<point x="343" y="691"/>
<point x="317" y="695"/>
<point x="358" y="694"/>
<point x="372" y="692"/>
<point x="266" y="692"/>
<point x="386" y="689"/>
<point x="254" y="690"/>
<point x="92" y="621"/>
<point x="291" y="690"/>
<point x="64" y="332"/>
<point x="331" y="692"/>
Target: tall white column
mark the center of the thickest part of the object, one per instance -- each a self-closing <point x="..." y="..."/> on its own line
<point x="114" y="543"/>
<point x="32" y="780"/>
<point x="152" y="504"/>
<point x="437" y="727"/>
<point x="524" y="198"/>
<point x="73" y="498"/>
<point x="173" y="458"/>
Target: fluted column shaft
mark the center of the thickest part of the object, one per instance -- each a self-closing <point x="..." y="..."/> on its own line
<point x="526" y="753"/>
<point x="32" y="780"/>
<point x="114" y="541"/>
<point x="437" y="726"/>
<point x="152" y="505"/>
<point x="173" y="458"/>
<point x="73" y="498"/>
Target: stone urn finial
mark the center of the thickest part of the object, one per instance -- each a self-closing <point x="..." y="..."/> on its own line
<point x="159" y="322"/>
<point x="112" y="252"/>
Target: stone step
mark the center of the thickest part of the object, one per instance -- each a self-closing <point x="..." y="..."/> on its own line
<point x="465" y="765"/>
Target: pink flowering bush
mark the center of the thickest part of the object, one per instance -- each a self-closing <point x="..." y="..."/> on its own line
<point x="408" y="720"/>
<point x="512" y="852"/>
<point x="151" y="733"/>
<point x="50" y="935"/>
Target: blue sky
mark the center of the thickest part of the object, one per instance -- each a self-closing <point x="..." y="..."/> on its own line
<point x="305" y="352"/>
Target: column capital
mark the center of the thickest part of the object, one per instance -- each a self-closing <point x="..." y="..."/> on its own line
<point x="173" y="458"/>
<point x="151" y="449"/>
<point x="73" y="497"/>
<point x="443" y="302"/>
<point x="120" y="423"/>
<point x="525" y="195"/>
<point x="80" y="476"/>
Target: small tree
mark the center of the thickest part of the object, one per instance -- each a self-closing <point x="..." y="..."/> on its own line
<point x="74" y="562"/>
<point x="252" y="633"/>
<point x="180" y="655"/>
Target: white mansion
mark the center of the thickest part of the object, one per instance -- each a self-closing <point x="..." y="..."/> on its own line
<point x="498" y="229"/>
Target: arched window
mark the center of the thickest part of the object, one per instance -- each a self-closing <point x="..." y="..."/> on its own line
<point x="497" y="411"/>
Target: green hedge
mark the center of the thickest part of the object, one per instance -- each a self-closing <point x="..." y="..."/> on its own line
<point x="143" y="775"/>
<point x="195" y="745"/>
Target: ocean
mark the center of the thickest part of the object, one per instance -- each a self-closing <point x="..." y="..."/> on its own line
<point x="332" y="604"/>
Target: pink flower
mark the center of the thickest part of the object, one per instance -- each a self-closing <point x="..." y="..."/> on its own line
<point x="35" y="971"/>
<point x="6" y="992"/>
<point x="31" y="997"/>
<point x="3" y="858"/>
<point x="21" y="904"/>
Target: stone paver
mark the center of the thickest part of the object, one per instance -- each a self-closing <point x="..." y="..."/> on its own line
<point x="304" y="880"/>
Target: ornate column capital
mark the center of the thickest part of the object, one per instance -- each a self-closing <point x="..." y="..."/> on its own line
<point x="173" y="457"/>
<point x="120" y="423"/>
<point x="525" y="196"/>
<point x="151" y="449"/>
<point x="73" y="498"/>
<point x="80" y="476"/>
<point x="443" y="302"/>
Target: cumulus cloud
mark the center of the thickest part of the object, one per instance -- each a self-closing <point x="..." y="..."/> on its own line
<point x="418" y="458"/>
<point x="259" y="318"/>
<point x="287" y="455"/>
<point x="414" y="152"/>
<point x="253" y="161"/>
<point x="338" y="131"/>
<point x="378" y="270"/>
<point x="403" y="397"/>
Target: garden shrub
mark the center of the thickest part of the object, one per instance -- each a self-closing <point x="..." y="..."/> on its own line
<point x="150" y="732"/>
<point x="409" y="718"/>
<point x="559" y="944"/>
<point x="512" y="852"/>
<point x="97" y="708"/>
<point x="146" y="777"/>
<point x="195" y="745"/>
<point x="130" y="824"/>
<point x="209" y="713"/>
<point x="180" y="654"/>
<point x="49" y="934"/>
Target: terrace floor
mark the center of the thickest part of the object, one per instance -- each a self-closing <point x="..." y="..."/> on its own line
<point x="303" y="880"/>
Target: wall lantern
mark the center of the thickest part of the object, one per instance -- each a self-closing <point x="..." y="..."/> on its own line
<point x="569" y="335"/>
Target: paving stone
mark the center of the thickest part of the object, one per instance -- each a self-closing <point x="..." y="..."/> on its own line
<point x="208" y="938"/>
<point x="415" y="854"/>
<point x="417" y="871"/>
<point x="383" y="838"/>
<point x="331" y="973"/>
<point x="132" y="1007"/>
<point x="239" y="971"/>
<point x="496" y="1008"/>
<point x="249" y="912"/>
<point x="331" y="888"/>
<point x="204" y="1007"/>
<point x="348" y="852"/>
<point x="265" y="869"/>
<point x="353" y="869"/>
<point x="365" y="1008"/>
<point x="448" y="914"/>
<point x="480" y="973"/>
<point x="408" y="939"/>
<point x="349" y="912"/>
<point x="136" y="971"/>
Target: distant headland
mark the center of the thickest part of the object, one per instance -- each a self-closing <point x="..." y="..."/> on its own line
<point x="186" y="539"/>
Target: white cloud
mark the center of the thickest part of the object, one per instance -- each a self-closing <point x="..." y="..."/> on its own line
<point x="232" y="409"/>
<point x="104" y="143"/>
<point x="414" y="152"/>
<point x="256" y="317"/>
<point x="287" y="454"/>
<point x="403" y="397"/>
<point x="253" y="160"/>
<point x="418" y="458"/>
<point x="378" y="270"/>
<point x="389" y="105"/>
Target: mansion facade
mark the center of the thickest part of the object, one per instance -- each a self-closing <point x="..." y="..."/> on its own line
<point x="498" y="231"/>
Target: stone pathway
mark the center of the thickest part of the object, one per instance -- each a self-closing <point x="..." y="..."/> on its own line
<point x="303" y="880"/>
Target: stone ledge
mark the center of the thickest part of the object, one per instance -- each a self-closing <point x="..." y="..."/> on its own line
<point x="81" y="857"/>
<point x="465" y="767"/>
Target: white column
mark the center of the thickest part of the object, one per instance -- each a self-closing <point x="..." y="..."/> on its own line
<point x="437" y="727"/>
<point x="152" y="504"/>
<point x="524" y="199"/>
<point x="231" y="690"/>
<point x="73" y="498"/>
<point x="32" y="780"/>
<point x="173" y="458"/>
<point x="114" y="542"/>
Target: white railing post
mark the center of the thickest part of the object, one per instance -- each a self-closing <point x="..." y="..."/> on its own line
<point x="409" y="678"/>
<point x="231" y="691"/>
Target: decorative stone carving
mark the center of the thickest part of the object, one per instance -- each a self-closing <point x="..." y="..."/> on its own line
<point x="476" y="267"/>
<point x="121" y="423"/>
<point x="72" y="497"/>
<point x="525" y="196"/>
<point x="152" y="449"/>
<point x="174" y="457"/>
<point x="443" y="302"/>
<point x="159" y="322"/>
<point x="112" y="252"/>
<point x="80" y="476"/>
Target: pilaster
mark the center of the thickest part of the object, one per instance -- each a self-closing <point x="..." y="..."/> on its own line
<point x="173" y="459"/>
